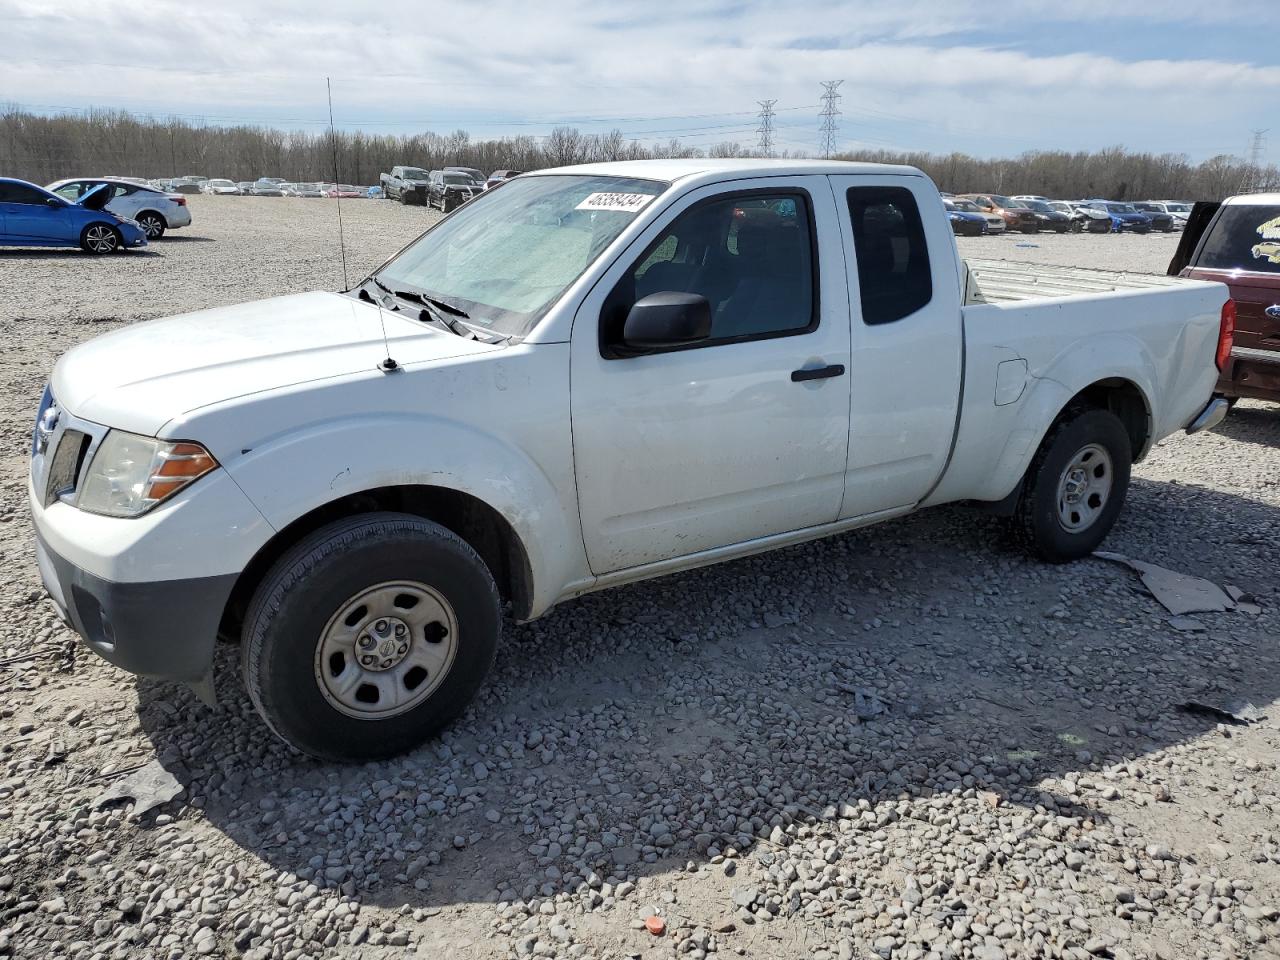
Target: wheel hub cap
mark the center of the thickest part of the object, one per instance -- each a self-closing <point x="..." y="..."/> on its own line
<point x="386" y="649"/>
<point x="1085" y="488"/>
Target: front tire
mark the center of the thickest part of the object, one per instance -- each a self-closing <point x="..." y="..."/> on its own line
<point x="100" y="238"/>
<point x="369" y="636"/>
<point x="1075" y="487"/>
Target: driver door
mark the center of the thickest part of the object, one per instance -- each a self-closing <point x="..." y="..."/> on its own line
<point x="28" y="215"/>
<point x="740" y="436"/>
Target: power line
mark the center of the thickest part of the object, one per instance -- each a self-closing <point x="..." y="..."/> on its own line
<point x="766" y="127"/>
<point x="830" y="111"/>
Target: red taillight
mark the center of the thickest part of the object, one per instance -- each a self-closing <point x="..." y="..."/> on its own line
<point x="179" y="199"/>
<point x="1226" y="334"/>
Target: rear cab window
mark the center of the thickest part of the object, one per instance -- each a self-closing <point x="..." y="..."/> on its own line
<point x="1242" y="237"/>
<point x="895" y="278"/>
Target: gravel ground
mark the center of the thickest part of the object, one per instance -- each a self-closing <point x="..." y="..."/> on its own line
<point x="904" y="742"/>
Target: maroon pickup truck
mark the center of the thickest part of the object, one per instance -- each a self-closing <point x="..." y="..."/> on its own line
<point x="1237" y="243"/>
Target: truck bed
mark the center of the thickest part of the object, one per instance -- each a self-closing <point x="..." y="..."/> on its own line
<point x="1007" y="281"/>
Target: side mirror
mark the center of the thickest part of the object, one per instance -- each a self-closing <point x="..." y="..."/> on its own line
<point x="667" y="320"/>
<point x="55" y="202"/>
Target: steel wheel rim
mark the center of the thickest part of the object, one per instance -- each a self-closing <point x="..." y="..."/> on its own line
<point x="1085" y="487"/>
<point x="101" y="239"/>
<point x="367" y="669"/>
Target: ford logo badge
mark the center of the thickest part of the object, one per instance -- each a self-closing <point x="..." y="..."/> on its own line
<point x="1273" y="311"/>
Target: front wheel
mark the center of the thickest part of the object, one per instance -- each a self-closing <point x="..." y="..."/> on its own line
<point x="100" y="238"/>
<point x="1075" y="487"/>
<point x="369" y="636"/>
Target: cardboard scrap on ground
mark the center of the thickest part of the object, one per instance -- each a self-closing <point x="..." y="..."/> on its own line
<point x="148" y="787"/>
<point x="1179" y="593"/>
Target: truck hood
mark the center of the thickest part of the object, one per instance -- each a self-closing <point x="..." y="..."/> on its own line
<point x="144" y="376"/>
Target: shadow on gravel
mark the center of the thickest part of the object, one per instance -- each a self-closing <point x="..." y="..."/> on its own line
<point x="181" y="238"/>
<point x="1255" y="424"/>
<point x="639" y="729"/>
<point x="61" y="253"/>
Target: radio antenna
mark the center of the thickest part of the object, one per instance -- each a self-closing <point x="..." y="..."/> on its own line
<point x="337" y="192"/>
<point x="388" y="365"/>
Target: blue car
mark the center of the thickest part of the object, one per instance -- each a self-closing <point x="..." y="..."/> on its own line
<point x="1124" y="216"/>
<point x="31" y="216"/>
<point x="965" y="223"/>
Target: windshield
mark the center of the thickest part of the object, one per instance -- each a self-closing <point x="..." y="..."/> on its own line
<point x="415" y="173"/>
<point x="968" y="206"/>
<point x="1005" y="201"/>
<point x="1121" y="208"/>
<point x="1039" y="205"/>
<point x="506" y="256"/>
<point x="458" y="178"/>
<point x="1243" y="237"/>
<point x="1148" y="207"/>
<point x="1178" y="207"/>
<point x="222" y="183"/>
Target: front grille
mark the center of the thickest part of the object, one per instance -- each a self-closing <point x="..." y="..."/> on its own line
<point x="65" y="466"/>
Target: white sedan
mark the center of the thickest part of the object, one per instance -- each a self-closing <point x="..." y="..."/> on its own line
<point x="154" y="210"/>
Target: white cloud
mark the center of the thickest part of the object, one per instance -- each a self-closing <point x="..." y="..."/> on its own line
<point x="915" y="74"/>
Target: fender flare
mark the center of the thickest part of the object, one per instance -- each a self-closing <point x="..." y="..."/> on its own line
<point x="294" y="474"/>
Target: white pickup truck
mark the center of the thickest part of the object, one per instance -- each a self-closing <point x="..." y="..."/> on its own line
<point x="585" y="377"/>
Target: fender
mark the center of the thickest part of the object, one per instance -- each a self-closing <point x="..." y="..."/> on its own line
<point x="294" y="473"/>
<point x="1082" y="364"/>
<point x="995" y="444"/>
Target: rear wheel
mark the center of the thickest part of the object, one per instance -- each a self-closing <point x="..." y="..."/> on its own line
<point x="1075" y="487"/>
<point x="152" y="224"/>
<point x="369" y="636"/>
<point x="99" y="238"/>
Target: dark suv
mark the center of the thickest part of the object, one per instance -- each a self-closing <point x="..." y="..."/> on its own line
<point x="450" y="189"/>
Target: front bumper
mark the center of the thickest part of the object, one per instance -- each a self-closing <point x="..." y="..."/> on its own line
<point x="166" y="629"/>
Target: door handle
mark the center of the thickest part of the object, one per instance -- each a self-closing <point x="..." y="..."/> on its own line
<point x="817" y="373"/>
<point x="1273" y="311"/>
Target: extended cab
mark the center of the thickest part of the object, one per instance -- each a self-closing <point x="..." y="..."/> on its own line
<point x="592" y="376"/>
<point x="407" y="184"/>
<point x="1239" y="245"/>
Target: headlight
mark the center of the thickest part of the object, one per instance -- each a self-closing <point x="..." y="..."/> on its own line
<point x="131" y="474"/>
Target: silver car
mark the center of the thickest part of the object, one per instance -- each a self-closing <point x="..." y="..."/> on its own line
<point x="155" y="210"/>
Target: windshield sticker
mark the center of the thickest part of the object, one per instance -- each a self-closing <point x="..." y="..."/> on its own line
<point x="1270" y="230"/>
<point x="624" y="202"/>
<point x="1267" y="251"/>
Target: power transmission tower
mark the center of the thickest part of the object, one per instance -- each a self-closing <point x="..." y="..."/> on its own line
<point x="766" y="127"/>
<point x="830" y="111"/>
<point x="1256" y="152"/>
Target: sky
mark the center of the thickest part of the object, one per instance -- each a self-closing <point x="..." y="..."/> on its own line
<point x="1178" y="76"/>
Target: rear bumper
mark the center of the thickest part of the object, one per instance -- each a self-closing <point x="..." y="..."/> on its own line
<point x="166" y="629"/>
<point x="1253" y="374"/>
<point x="1208" y="418"/>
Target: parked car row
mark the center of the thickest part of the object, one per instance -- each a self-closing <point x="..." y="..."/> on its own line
<point x="447" y="188"/>
<point x="977" y="214"/>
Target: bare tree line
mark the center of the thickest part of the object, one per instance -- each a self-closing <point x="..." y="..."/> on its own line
<point x="45" y="148"/>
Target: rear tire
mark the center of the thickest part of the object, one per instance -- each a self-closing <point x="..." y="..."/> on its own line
<point x="369" y="636"/>
<point x="1074" y="487"/>
<point x="152" y="224"/>
<point x="100" y="238"/>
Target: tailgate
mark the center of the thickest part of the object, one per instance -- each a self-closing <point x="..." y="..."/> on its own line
<point x="1257" y="340"/>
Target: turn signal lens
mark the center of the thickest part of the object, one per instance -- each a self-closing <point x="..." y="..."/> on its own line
<point x="179" y="465"/>
<point x="1226" y="334"/>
